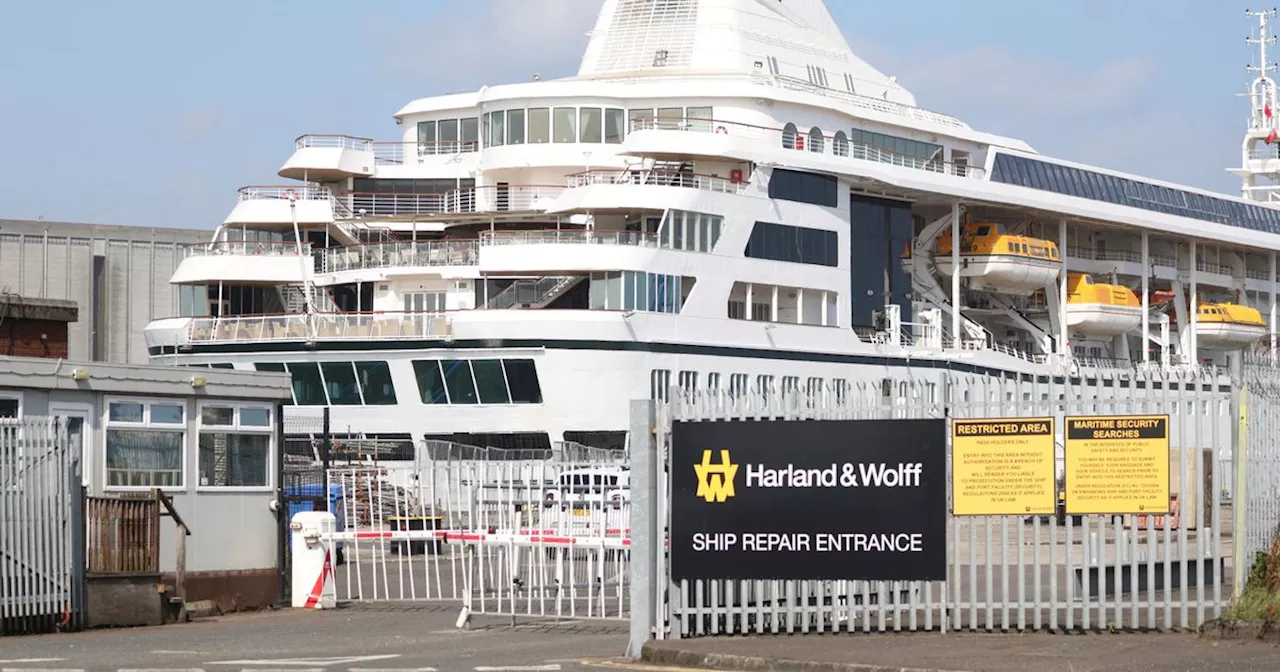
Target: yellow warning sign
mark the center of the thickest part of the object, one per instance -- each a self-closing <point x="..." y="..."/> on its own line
<point x="1117" y="464"/>
<point x="1002" y="466"/>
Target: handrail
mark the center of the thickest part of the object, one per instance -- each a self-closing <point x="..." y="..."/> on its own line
<point x="255" y="248"/>
<point x="333" y="141"/>
<point x="395" y="152"/>
<point x="399" y="254"/>
<point x="657" y="178"/>
<point x="282" y="192"/>
<point x="569" y="237"/>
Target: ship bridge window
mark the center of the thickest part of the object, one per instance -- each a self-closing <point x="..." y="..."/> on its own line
<point x="482" y="381"/>
<point x="539" y="125"/>
<point x="375" y="383"/>
<point x="340" y="382"/>
<point x="782" y="242"/>
<point x="802" y="187"/>
<point x="565" y="126"/>
<point x="591" y="125"/>
<point x="692" y="231"/>
<point x="1046" y="176"/>
<point x="448" y="136"/>
<point x="515" y="127"/>
<point x="308" y="387"/>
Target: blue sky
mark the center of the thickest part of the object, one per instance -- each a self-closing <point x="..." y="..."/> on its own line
<point x="153" y="115"/>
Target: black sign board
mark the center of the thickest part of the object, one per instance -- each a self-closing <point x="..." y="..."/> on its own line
<point x="809" y="499"/>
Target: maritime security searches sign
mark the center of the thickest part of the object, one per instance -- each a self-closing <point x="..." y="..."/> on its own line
<point x="809" y="499"/>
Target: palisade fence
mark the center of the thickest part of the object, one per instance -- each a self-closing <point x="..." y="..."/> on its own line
<point x="42" y="550"/>
<point x="1003" y="572"/>
<point x="1259" y="420"/>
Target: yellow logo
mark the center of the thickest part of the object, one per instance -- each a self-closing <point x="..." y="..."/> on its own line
<point x="715" y="481"/>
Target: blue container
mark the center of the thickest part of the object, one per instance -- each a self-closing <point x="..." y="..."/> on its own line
<point x="316" y="491"/>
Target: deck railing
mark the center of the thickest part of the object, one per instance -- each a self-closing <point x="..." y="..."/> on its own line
<point x="333" y="141"/>
<point x="399" y="255"/>
<point x="245" y="248"/>
<point x="283" y="193"/>
<point x="657" y="178"/>
<point x="569" y="237"/>
<point x="318" y="327"/>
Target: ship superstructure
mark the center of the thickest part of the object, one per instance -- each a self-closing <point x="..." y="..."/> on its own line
<point x="723" y="198"/>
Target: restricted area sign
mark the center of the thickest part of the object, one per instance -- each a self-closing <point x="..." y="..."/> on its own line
<point x="1117" y="464"/>
<point x="1002" y="466"/>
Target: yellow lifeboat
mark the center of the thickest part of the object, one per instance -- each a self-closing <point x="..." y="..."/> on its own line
<point x="1228" y="326"/>
<point x="996" y="261"/>
<point x="1100" y="310"/>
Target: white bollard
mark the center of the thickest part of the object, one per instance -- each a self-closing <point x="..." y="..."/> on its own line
<point x="312" y="582"/>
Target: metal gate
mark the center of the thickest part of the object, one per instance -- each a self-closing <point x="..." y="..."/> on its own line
<point x="42" y="554"/>
<point x="1003" y="572"/>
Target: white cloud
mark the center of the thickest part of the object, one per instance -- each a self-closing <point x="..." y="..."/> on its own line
<point x="491" y="41"/>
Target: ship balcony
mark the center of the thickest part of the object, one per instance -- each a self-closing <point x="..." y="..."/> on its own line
<point x="396" y="153"/>
<point x="300" y="328"/>
<point x="329" y="158"/>
<point x="275" y="205"/>
<point x="630" y="189"/>
<point x="244" y="262"/>
<point x="490" y="199"/>
<point x="574" y="251"/>
<point x="379" y="261"/>
<point x="717" y="138"/>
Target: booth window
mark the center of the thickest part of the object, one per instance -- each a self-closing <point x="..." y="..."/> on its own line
<point x="146" y="442"/>
<point x="235" y="445"/>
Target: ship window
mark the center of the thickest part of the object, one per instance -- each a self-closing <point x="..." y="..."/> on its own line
<point x="431" y="388"/>
<point x="816" y="140"/>
<point x="470" y="134"/>
<point x="615" y="126"/>
<point x="515" y="127"/>
<point x="308" y="390"/>
<point x="591" y="125"/>
<point x="340" y="381"/>
<point x="448" y="136"/>
<point x="458" y="380"/>
<point x="789" y="134"/>
<point x="699" y="119"/>
<point x="840" y="144"/>
<point x="490" y="383"/>
<point x="497" y="129"/>
<point x="375" y="383"/>
<point x="781" y="242"/>
<point x="565" y="128"/>
<point x="801" y="187"/>
<point x="276" y="367"/>
<point x="671" y="118"/>
<point x="640" y="119"/>
<point x="426" y="137"/>
<point x="522" y="380"/>
<point x="539" y="125"/>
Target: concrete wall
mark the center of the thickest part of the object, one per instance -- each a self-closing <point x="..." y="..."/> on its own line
<point x="130" y="266"/>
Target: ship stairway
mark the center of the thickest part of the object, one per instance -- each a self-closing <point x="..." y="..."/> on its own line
<point x="533" y="293"/>
<point x="1009" y="310"/>
<point x="925" y="282"/>
<point x="294" y="299"/>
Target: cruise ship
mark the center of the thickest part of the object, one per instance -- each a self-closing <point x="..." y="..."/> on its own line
<point x="725" y="197"/>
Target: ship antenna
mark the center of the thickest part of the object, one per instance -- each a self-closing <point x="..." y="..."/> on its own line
<point x="1263" y="91"/>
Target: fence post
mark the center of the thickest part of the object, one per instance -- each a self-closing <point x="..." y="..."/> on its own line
<point x="645" y="526"/>
<point x="1239" y="498"/>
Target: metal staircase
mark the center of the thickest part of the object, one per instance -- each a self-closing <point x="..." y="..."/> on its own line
<point x="533" y="293"/>
<point x="294" y="299"/>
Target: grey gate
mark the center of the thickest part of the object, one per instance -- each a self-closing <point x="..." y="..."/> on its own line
<point x="1003" y="572"/>
<point x="42" y="554"/>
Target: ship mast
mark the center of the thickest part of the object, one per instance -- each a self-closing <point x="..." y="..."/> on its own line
<point x="1260" y="171"/>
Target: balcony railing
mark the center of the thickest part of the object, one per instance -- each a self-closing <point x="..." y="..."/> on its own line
<point x="318" y="326"/>
<point x="657" y="178"/>
<point x="399" y="255"/>
<point x="283" y="193"/>
<point x="838" y="144"/>
<point x="1104" y="255"/>
<point x="246" y="248"/>
<point x="489" y="198"/>
<point x="574" y="237"/>
<point x="395" y="153"/>
<point x="333" y="141"/>
<point x="1255" y="274"/>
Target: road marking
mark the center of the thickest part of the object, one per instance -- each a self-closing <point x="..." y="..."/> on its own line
<point x="392" y="669"/>
<point x="340" y="660"/>
<point x="162" y="669"/>
<point x="38" y="669"/>
<point x="32" y="660"/>
<point x="624" y="665"/>
<point x="174" y="652"/>
<point x="518" y="668"/>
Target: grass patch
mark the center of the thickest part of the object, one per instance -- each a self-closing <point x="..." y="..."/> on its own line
<point x="1256" y="604"/>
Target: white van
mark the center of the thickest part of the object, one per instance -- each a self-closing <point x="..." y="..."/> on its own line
<point x="590" y="488"/>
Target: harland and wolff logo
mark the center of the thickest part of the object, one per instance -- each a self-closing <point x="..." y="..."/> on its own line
<point x="715" y="481"/>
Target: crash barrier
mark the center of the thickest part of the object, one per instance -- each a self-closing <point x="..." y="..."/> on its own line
<point x="536" y="533"/>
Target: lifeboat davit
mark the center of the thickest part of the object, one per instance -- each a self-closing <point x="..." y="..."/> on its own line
<point x="1099" y="310"/>
<point x="995" y="261"/>
<point x="1228" y="326"/>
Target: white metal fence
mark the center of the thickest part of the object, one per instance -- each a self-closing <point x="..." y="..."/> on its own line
<point x="41" y="527"/>
<point x="530" y="533"/>
<point x="1004" y="572"/>
<point x="1259" y="425"/>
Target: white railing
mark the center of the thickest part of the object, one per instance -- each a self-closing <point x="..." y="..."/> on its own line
<point x="1254" y="274"/>
<point x="332" y="141"/>
<point x="399" y="255"/>
<point x="318" y="326"/>
<point x="398" y="153"/>
<point x="576" y="237"/>
<point x="838" y="145"/>
<point x="245" y="248"/>
<point x="284" y="193"/>
<point x="1104" y="255"/>
<point x="657" y="178"/>
<point x="489" y="198"/>
<point x="1209" y="267"/>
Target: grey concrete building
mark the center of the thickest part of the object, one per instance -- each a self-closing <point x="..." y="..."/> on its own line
<point x="117" y="275"/>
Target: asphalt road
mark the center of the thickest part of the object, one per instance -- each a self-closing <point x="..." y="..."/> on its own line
<point x="384" y="638"/>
